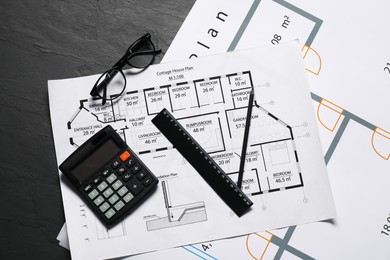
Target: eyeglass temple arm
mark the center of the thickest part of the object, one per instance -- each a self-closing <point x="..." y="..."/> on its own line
<point x="144" y="53"/>
<point x="107" y="79"/>
<point x="104" y="95"/>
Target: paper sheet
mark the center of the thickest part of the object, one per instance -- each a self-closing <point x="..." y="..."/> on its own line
<point x="345" y="49"/>
<point x="63" y="237"/>
<point x="285" y="173"/>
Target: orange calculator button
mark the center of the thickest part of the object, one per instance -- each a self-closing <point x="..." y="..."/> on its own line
<point x="124" y="156"/>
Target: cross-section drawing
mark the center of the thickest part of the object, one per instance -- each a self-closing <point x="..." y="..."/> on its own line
<point x="177" y="215"/>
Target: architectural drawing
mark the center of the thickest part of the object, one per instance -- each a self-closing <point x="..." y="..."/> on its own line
<point x="177" y="215"/>
<point x="270" y="22"/>
<point x="272" y="158"/>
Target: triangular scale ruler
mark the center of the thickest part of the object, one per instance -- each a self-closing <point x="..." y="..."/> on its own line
<point x="218" y="180"/>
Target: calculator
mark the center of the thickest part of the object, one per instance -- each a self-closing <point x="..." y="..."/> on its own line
<point x="109" y="175"/>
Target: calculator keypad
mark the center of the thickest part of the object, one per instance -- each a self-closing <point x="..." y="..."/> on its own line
<point x="102" y="186"/>
<point x="93" y="194"/>
<point x="122" y="191"/>
<point x="135" y="187"/>
<point x="99" y="200"/>
<point x="110" y="213"/>
<point x="88" y="187"/>
<point x="106" y="172"/>
<point x="141" y="175"/>
<point x="119" y="205"/>
<point x="104" y="207"/>
<point x="128" y="197"/>
<point x="114" y="198"/>
<point x="116" y="164"/>
<point x="135" y="168"/>
<point x="111" y="178"/>
<point x="121" y="169"/>
<point x="107" y="193"/>
<point x="127" y="176"/>
<point x="118" y="185"/>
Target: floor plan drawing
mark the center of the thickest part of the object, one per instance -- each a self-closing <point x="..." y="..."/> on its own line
<point x="283" y="148"/>
<point x="272" y="162"/>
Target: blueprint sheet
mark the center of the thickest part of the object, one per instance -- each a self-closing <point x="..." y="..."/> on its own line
<point x="285" y="173"/>
<point x="345" y="48"/>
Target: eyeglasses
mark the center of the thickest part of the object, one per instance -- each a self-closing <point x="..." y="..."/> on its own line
<point x="112" y="83"/>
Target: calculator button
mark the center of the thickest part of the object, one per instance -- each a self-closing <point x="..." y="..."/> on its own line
<point x="102" y="186"/>
<point x="110" y="213"/>
<point x="104" y="207"/>
<point x="97" y="180"/>
<point x="99" y="200"/>
<point x="114" y="198"/>
<point x="122" y="191"/>
<point x="126" y="177"/>
<point x="117" y="184"/>
<point x="119" y="205"/>
<point x="116" y="164"/>
<point x="111" y="178"/>
<point x="148" y="180"/>
<point x="106" y="172"/>
<point x="134" y="186"/>
<point x="141" y="175"/>
<point x="88" y="187"/>
<point x="93" y="194"/>
<point x="125" y="155"/>
<point x="107" y="193"/>
<point x="130" y="162"/>
<point x="135" y="168"/>
<point x="122" y="169"/>
<point x="128" y="197"/>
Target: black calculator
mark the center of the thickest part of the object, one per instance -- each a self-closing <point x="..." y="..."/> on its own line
<point x="109" y="175"/>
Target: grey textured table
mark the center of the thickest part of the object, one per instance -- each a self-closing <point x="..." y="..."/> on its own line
<point x="43" y="40"/>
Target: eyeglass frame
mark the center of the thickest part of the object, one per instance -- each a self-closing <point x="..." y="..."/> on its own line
<point x="125" y="59"/>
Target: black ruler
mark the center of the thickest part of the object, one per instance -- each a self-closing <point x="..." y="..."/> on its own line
<point x="218" y="180"/>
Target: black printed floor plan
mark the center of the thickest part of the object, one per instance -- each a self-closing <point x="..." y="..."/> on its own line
<point x="213" y="110"/>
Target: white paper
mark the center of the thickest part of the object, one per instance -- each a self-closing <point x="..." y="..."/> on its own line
<point x="345" y="49"/>
<point x="63" y="237"/>
<point x="285" y="173"/>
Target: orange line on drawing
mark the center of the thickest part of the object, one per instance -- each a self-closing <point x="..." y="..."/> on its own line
<point x="338" y="112"/>
<point x="319" y="118"/>
<point x="265" y="249"/>
<point x="319" y="57"/>
<point x="372" y="142"/>
<point x="383" y="131"/>
<point x="247" y="247"/>
<point x="324" y="99"/>
<point x="304" y="56"/>
<point x="261" y="236"/>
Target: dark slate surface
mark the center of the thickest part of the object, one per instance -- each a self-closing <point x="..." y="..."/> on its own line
<point x="54" y="39"/>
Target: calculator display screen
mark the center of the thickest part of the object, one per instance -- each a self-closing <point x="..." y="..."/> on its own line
<point x="95" y="160"/>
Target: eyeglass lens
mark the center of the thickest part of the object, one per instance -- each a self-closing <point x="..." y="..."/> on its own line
<point x="112" y="82"/>
<point x="142" y="53"/>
